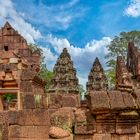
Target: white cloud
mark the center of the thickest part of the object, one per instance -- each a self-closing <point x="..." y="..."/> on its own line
<point x="133" y="9"/>
<point x="50" y="58"/>
<point x="82" y="57"/>
<point x="8" y="13"/>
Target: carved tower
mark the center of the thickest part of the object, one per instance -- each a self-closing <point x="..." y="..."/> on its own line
<point x="97" y="79"/>
<point x="65" y="79"/>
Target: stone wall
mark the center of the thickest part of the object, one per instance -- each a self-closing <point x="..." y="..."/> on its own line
<point x="112" y="115"/>
<point x="31" y="123"/>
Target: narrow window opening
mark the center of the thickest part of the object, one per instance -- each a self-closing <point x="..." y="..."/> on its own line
<point x="6" y="48"/>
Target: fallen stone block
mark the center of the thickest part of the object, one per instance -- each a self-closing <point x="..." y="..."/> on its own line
<point x="56" y="132"/>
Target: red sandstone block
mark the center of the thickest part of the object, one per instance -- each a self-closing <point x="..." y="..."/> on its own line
<point x="83" y="137"/>
<point x="126" y="128"/>
<point x="129" y="100"/>
<point x="54" y="101"/>
<point x="80" y="116"/>
<point x="134" y="136"/>
<point x="116" y="100"/>
<point x="84" y="129"/>
<point x="51" y="111"/>
<point x="34" y="117"/>
<point x="26" y="117"/>
<point x="99" y="102"/>
<point x="70" y="100"/>
<point x="102" y="137"/>
<point x="115" y="137"/>
<point x="32" y="132"/>
<point x="105" y="128"/>
<point x="26" y="86"/>
<point x="14" y="131"/>
<point x="41" y="117"/>
<point x="13" y="117"/>
<point x="123" y="137"/>
<point x="28" y="102"/>
<point x="106" y="118"/>
<point x="41" y="132"/>
<point x="27" y="74"/>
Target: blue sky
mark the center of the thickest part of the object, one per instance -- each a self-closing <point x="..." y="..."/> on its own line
<point x="85" y="27"/>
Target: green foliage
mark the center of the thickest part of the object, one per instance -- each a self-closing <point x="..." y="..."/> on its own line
<point x="46" y="75"/>
<point x="81" y="90"/>
<point x="9" y="97"/>
<point x="118" y="47"/>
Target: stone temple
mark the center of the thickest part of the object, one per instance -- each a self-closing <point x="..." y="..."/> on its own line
<point x="65" y="79"/>
<point x="60" y="114"/>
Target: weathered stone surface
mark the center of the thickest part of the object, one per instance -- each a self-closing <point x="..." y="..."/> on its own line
<point x="16" y="131"/>
<point x="96" y="79"/>
<point x="26" y="86"/>
<point x="27" y="74"/>
<point x="126" y="128"/>
<point x="64" y="117"/>
<point x="102" y="137"/>
<point x="80" y="116"/>
<point x="54" y="100"/>
<point x="64" y="75"/>
<point x="137" y="98"/>
<point x="129" y="100"/>
<point x="116" y="100"/>
<point x="84" y="128"/>
<point x="83" y="137"/>
<point x="123" y="137"/>
<point x="99" y="102"/>
<point x="56" y="132"/>
<point x="134" y="136"/>
<point x="29" y="117"/>
<point x="70" y="100"/>
<point x="104" y="128"/>
<point x="28" y="102"/>
<point x="106" y="118"/>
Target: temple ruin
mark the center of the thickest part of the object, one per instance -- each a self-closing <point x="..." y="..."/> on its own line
<point x="60" y="114"/>
<point x="65" y="79"/>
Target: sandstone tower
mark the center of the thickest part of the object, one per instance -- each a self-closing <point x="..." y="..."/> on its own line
<point x="65" y="79"/>
<point x="97" y="79"/>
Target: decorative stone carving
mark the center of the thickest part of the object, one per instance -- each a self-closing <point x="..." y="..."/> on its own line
<point x="65" y="79"/>
<point x="97" y="79"/>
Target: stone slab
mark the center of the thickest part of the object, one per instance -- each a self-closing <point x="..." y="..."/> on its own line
<point x="116" y="100"/>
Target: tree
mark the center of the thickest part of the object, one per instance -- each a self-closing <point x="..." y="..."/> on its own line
<point x="118" y="47"/>
<point x="81" y="90"/>
<point x="46" y="75"/>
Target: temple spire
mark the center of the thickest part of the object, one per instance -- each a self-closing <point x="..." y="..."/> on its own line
<point x="65" y="79"/>
<point x="96" y="79"/>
